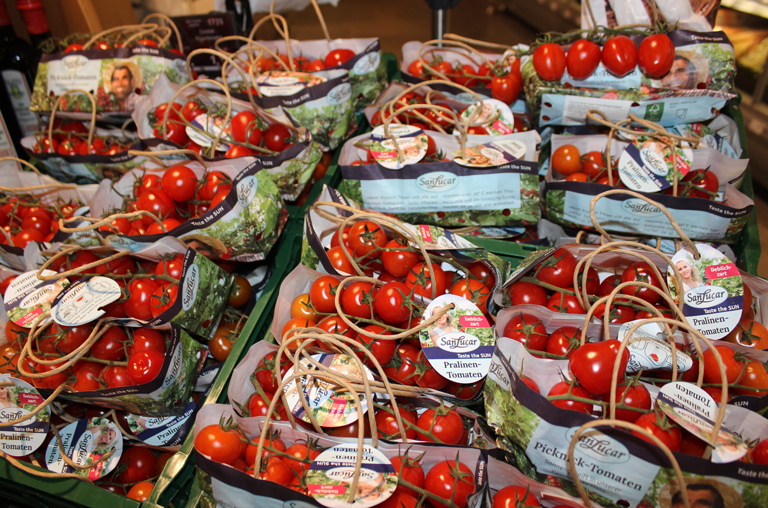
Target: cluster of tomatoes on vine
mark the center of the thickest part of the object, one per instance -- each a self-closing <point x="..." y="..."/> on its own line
<point x="591" y="366"/>
<point x="334" y="58"/>
<point x="505" y="83"/>
<point x="120" y="357"/>
<point x="551" y="286"/>
<point x="592" y="168"/>
<point x="24" y="218"/>
<point x="287" y="464"/>
<point x="619" y="55"/>
<point x="173" y="197"/>
<point x="71" y="138"/>
<point x="249" y="134"/>
<point x="433" y="424"/>
<point x="394" y="307"/>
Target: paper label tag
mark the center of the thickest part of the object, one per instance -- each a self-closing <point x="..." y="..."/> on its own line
<point x="712" y="292"/>
<point x="490" y="155"/>
<point x="328" y="408"/>
<point x="28" y="297"/>
<point x="331" y="473"/>
<point x="647" y="165"/>
<point x="367" y="63"/>
<point x="648" y="349"/>
<point x="695" y="410"/>
<point x="411" y="140"/>
<point x="603" y="463"/>
<point x="15" y="402"/>
<point x="460" y="344"/>
<point x="85" y="442"/>
<point x="438" y="238"/>
<point x="282" y="83"/>
<point x="82" y="302"/>
<point x="73" y="71"/>
<point x="158" y="431"/>
<point x="213" y="125"/>
<point x="19" y="94"/>
<point x="495" y="116"/>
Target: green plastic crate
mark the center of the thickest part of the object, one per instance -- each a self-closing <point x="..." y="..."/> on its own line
<point x="172" y="487"/>
<point x="748" y="248"/>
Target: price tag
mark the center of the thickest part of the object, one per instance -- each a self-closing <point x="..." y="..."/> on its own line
<point x="712" y="290"/>
<point x="495" y="116"/>
<point x="460" y="344"/>
<point x="17" y="401"/>
<point x="82" y="302"/>
<point x="648" y="349"/>
<point x="646" y="165"/>
<point x="694" y="409"/>
<point x="411" y="140"/>
<point x="491" y="155"/>
<point x="27" y="297"/>
<point x="85" y="442"/>
<point x="329" y="408"/>
<point x="331" y="473"/>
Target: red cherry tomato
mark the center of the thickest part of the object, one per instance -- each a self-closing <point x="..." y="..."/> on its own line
<point x="583" y="59"/>
<point x="549" y="61"/>
<point x="620" y="55"/>
<point x="338" y="56"/>
<point x="144" y="366"/>
<point x="656" y="55"/>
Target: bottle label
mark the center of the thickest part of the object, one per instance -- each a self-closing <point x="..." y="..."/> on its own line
<point x="18" y="92"/>
<point x="6" y="145"/>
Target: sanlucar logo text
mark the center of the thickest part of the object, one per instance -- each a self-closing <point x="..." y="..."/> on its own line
<point x="600" y="447"/>
<point x="640" y="207"/>
<point x="458" y="342"/>
<point x="74" y="62"/>
<point x="190" y="287"/>
<point x="437" y="181"/>
<point x="705" y="296"/>
<point x="367" y="63"/>
<point x="340" y="94"/>
<point x="654" y="162"/>
<point x="246" y="190"/>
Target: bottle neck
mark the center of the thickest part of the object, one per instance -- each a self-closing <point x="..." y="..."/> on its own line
<point x="34" y="18"/>
<point x="37" y="39"/>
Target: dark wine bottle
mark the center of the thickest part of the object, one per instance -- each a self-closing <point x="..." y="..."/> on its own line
<point x="15" y="74"/>
<point x="15" y="86"/>
<point x="33" y="13"/>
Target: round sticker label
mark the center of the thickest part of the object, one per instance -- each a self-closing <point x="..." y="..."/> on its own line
<point x="459" y="345"/>
<point x="648" y="349"/>
<point x="331" y="473"/>
<point x="328" y="408"/>
<point x="493" y="154"/>
<point x="695" y="410"/>
<point x="211" y="127"/>
<point x="28" y="297"/>
<point x="646" y="165"/>
<point x="82" y="302"/>
<point x="411" y="140"/>
<point x="367" y="63"/>
<point x="158" y="431"/>
<point x="282" y="83"/>
<point x="712" y="290"/>
<point x="86" y="442"/>
<point x="494" y="115"/>
<point x="17" y="401"/>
